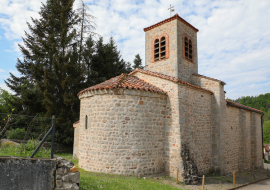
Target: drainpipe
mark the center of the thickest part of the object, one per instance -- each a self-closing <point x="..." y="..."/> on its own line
<point x="262" y="134"/>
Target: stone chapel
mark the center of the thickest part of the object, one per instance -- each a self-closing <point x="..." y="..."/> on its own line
<point x="167" y="116"/>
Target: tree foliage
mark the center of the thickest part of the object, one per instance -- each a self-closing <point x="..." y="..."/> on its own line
<point x="61" y="58"/>
<point x="6" y="101"/>
<point x="51" y="77"/>
<point x="137" y="62"/>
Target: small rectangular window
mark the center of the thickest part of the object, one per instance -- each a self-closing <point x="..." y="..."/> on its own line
<point x="86" y="121"/>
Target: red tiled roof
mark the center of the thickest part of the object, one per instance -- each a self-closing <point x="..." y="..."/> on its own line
<point x="76" y="123"/>
<point x="230" y="103"/>
<point x="126" y="82"/>
<point x="168" y="78"/>
<point x="195" y="74"/>
<point x="176" y="16"/>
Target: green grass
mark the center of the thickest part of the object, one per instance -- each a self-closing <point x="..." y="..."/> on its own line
<point x="92" y="180"/>
<point x="23" y="150"/>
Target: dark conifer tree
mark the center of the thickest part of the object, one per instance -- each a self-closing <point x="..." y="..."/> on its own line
<point x="91" y="76"/>
<point x="137" y="62"/>
<point x="128" y="67"/>
<point x="50" y="63"/>
<point x="107" y="61"/>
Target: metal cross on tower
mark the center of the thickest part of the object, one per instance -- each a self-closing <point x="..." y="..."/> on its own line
<point x="171" y="9"/>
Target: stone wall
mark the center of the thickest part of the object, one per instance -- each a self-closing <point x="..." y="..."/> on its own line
<point x="38" y="174"/>
<point x="195" y="125"/>
<point x="27" y="173"/>
<point x="136" y="133"/>
<point x="67" y="175"/>
<point x="218" y="104"/>
<point x="76" y="139"/>
<point x="125" y="132"/>
<point x="166" y="66"/>
<point x="186" y="67"/>
<point x="188" y="122"/>
<point x="172" y="122"/>
<point x="243" y="151"/>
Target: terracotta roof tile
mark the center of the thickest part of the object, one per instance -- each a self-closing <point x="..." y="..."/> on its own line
<point x="76" y="123"/>
<point x="176" y="16"/>
<point x="242" y="106"/>
<point x="195" y="74"/>
<point x="126" y="82"/>
<point x="168" y="78"/>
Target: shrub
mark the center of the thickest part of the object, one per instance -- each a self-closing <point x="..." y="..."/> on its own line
<point x="16" y="134"/>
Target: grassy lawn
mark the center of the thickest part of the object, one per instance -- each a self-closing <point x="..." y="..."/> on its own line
<point x="92" y="180"/>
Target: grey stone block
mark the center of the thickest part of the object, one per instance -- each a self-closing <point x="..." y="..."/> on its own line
<point x="72" y="177"/>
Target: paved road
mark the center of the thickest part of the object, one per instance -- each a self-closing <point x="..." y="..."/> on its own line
<point x="263" y="185"/>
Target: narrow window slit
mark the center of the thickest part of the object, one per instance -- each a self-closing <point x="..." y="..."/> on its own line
<point x="86" y="121"/>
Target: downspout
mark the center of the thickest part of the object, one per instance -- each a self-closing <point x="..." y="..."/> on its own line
<point x="262" y="134"/>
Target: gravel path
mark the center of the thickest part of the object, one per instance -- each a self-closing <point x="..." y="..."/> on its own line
<point x="224" y="183"/>
<point x="263" y="185"/>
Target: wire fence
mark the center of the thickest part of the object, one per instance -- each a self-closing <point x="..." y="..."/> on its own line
<point x="21" y="135"/>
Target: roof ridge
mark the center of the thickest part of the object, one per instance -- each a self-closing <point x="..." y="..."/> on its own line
<point x="176" y="16"/>
<point x="197" y="74"/>
<point x="243" y="106"/>
<point x="125" y="81"/>
<point x="167" y="77"/>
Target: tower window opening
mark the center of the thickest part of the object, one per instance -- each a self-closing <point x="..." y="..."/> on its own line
<point x="156" y="50"/>
<point x="162" y="48"/>
<point x="188" y="49"/>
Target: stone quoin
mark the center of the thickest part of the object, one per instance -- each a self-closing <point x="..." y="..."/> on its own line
<point x="166" y="117"/>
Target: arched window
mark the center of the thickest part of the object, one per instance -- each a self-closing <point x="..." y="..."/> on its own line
<point x="86" y="121"/>
<point x="162" y="48"/>
<point x="156" y="50"/>
<point x="188" y="49"/>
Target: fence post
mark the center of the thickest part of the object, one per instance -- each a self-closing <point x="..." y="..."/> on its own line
<point x="267" y="172"/>
<point x="43" y="140"/>
<point x="203" y="183"/>
<point x="234" y="179"/>
<point x="53" y="131"/>
<point x="176" y="175"/>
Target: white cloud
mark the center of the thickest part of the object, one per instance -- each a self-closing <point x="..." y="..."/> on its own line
<point x="1" y="70"/>
<point x="4" y="87"/>
<point x="233" y="41"/>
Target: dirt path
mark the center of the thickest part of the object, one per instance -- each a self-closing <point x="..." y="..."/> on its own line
<point x="224" y="183"/>
<point x="262" y="185"/>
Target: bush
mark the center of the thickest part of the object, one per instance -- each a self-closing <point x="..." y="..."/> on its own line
<point x="16" y="134"/>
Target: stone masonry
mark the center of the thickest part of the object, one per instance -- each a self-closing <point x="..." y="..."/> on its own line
<point x="166" y="117"/>
<point x="125" y="133"/>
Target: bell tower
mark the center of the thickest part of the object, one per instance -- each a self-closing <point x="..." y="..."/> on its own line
<point x="171" y="48"/>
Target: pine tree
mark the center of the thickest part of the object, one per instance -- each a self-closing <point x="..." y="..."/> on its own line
<point x="107" y="61"/>
<point x="91" y="76"/>
<point x="128" y="67"/>
<point x="50" y="64"/>
<point x="87" y="25"/>
<point x="137" y="62"/>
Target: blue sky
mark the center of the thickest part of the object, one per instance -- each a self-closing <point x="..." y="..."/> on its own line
<point x="233" y="37"/>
